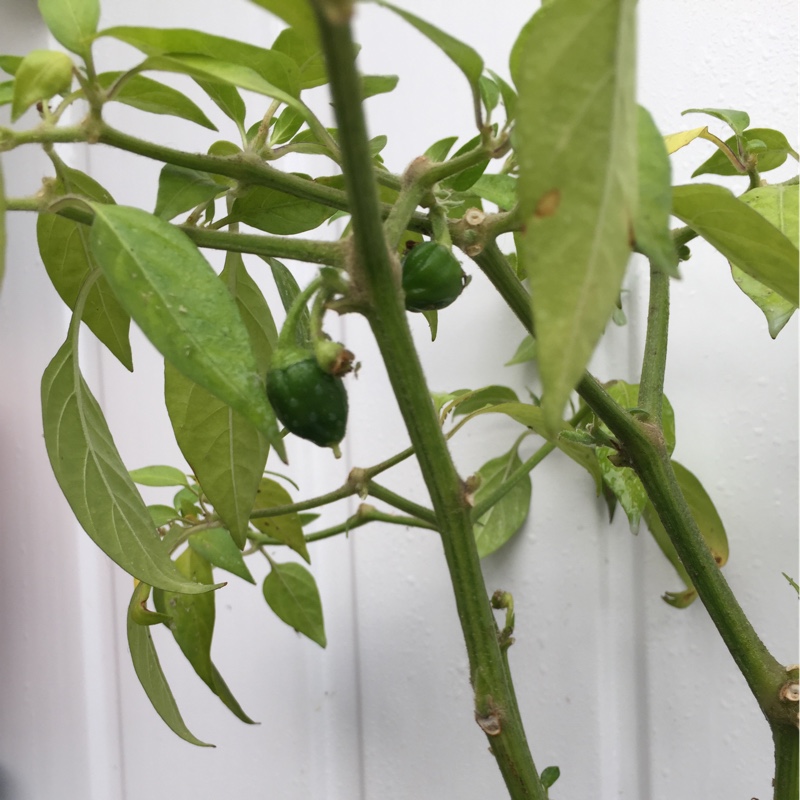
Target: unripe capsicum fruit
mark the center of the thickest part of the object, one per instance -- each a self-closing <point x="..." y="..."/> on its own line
<point x="432" y="277"/>
<point x="310" y="402"/>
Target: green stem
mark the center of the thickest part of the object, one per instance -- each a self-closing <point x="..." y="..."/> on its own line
<point x="651" y="385"/>
<point x="495" y="708"/>
<point x="400" y="503"/>
<point x="787" y="762"/>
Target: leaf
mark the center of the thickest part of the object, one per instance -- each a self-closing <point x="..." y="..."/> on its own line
<point x="792" y="583"/>
<point x="148" y="95"/>
<point x="377" y="84"/>
<point x="779" y="205"/>
<point x="525" y="352"/>
<point x="709" y="523"/>
<point x="464" y="180"/>
<point x="307" y="53"/>
<point x="288" y="123"/>
<point x="574" y="67"/>
<point x="741" y="234"/>
<point x="549" y="776"/>
<point x="288" y="290"/>
<point x="432" y="318"/>
<point x="181" y="189"/>
<point x="94" y="480"/>
<point x="675" y="141"/>
<point x="225" y="451"/>
<point x="226" y="98"/>
<point x="651" y="221"/>
<point x="161" y="515"/>
<point x="507" y="516"/>
<point x="462" y="55"/>
<point x="192" y="624"/>
<point x="777" y="148"/>
<point x="286" y="528"/>
<point x="6" y="92"/>
<point x="737" y="120"/>
<point x="172" y="293"/>
<point x="296" y="13"/>
<point x="438" y="151"/>
<point x="291" y="592"/>
<point x="217" y="547"/>
<point x="140" y="613"/>
<point x="41" y="75"/>
<point x="467" y="403"/>
<point x="65" y="252"/>
<point x="498" y="189"/>
<point x="72" y="22"/>
<point x="625" y="485"/>
<point x="490" y="93"/>
<point x="273" y="67"/>
<point x="508" y="94"/>
<point x="10" y="64"/>
<point x="151" y="676"/>
<point x="276" y="212"/>
<point x="158" y="476"/>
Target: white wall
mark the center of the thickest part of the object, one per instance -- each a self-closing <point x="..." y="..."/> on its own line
<point x="631" y="698"/>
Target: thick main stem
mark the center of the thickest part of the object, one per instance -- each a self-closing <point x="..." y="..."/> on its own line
<point x="377" y="271"/>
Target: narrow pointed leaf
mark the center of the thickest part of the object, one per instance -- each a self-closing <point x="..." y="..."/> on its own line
<point x="438" y="150"/>
<point x="181" y="189"/>
<point x="574" y="67"/>
<point x="507" y="516"/>
<point x="72" y="22"/>
<point x="218" y="548"/>
<point x="154" y="97"/>
<point x="64" y="248"/>
<point x="285" y="528"/>
<point x="151" y="676"/>
<point x="288" y="289"/>
<point x="94" y="480"/>
<point x="291" y="592"/>
<point x="377" y="84"/>
<point x="180" y="304"/>
<point x="741" y="234"/>
<point x="42" y="74"/>
<point x="737" y="120"/>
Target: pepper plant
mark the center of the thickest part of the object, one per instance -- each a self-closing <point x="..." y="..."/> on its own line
<point x="575" y="197"/>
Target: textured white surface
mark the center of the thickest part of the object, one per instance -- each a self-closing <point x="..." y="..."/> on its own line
<point x="631" y="698"/>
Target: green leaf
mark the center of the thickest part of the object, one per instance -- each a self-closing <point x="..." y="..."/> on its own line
<point x="709" y="523"/>
<point x="181" y="189"/>
<point x="161" y="515"/>
<point x="192" y="624"/>
<point x="306" y="52"/>
<point x="377" y="84"/>
<point x="549" y="776"/>
<point x="148" y="95"/>
<point x="779" y="205"/>
<point x="65" y="252"/>
<point x="151" y="676"/>
<point x="174" y="296"/>
<point x="498" y="189"/>
<point x="158" y="476"/>
<point x="651" y="221"/>
<point x="296" y="13"/>
<point x="226" y="98"/>
<point x="467" y="403"/>
<point x="462" y="55"/>
<point x="675" y="141"/>
<point x="464" y="180"/>
<point x="792" y="583"/>
<point x="286" y="528"/>
<point x="741" y="234"/>
<point x="508" y="94"/>
<point x="10" y="64"/>
<point x="288" y="123"/>
<point x="41" y="75"/>
<point x="291" y="592"/>
<point x="273" y="67"/>
<point x="288" y="289"/>
<point x="438" y="151"/>
<point x="737" y="120"/>
<point x="94" y="480"/>
<point x="525" y="352"/>
<point x="276" y="212"/>
<point x="490" y="93"/>
<point x="574" y="67"/>
<point x="624" y="483"/>
<point x="507" y="516"/>
<point x="226" y="452"/>
<point x="432" y="318"/>
<point x="6" y="92"/>
<point x="772" y="156"/>
<point x="72" y="22"/>
<point x="140" y="613"/>
<point x="218" y="548"/>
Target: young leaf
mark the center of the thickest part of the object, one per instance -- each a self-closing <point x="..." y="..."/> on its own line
<point x="464" y="180"/>
<point x="549" y="776"/>
<point x="675" y="141"/>
<point x="65" y="252"/>
<point x="217" y="547"/>
<point x="226" y="98"/>
<point x="480" y="398"/>
<point x="10" y="64"/>
<point x="94" y="480"/>
<point x="490" y="93"/>
<point x="792" y="582"/>
<point x="41" y="75"/>
<point x="462" y="55"/>
<point x="574" y="67"/>
<point x="192" y="624"/>
<point x="181" y="189"/>
<point x="498" y="189"/>
<point x="525" y="352"/>
<point x="148" y="95"/>
<point x="276" y="212"/>
<point x="140" y="613"/>
<point x="287" y="125"/>
<point x="377" y="84"/>
<point x="72" y="22"/>
<point x="158" y="476"/>
<point x="172" y="293"/>
<point x="779" y="205"/>
<point x="225" y="451"/>
<point x="288" y="289"/>
<point x="291" y="592"/>
<point x="151" y="676"/>
<point x="6" y="92"/>
<point x="741" y="234"/>
<point x="737" y="120"/>
<point x="651" y="221"/>
<point x="286" y="528"/>
<point x="508" y="94"/>
<point x="438" y="150"/>
<point x="507" y="516"/>
<point x="161" y="515"/>
<point x="306" y="52"/>
<point x="777" y="148"/>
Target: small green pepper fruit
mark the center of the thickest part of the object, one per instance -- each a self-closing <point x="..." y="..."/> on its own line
<point x="432" y="277"/>
<point x="309" y="402"/>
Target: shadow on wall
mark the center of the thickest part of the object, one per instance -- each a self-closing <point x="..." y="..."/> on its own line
<point x="6" y="785"/>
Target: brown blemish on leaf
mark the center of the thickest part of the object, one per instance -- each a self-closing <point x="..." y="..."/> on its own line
<point x="548" y="203"/>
